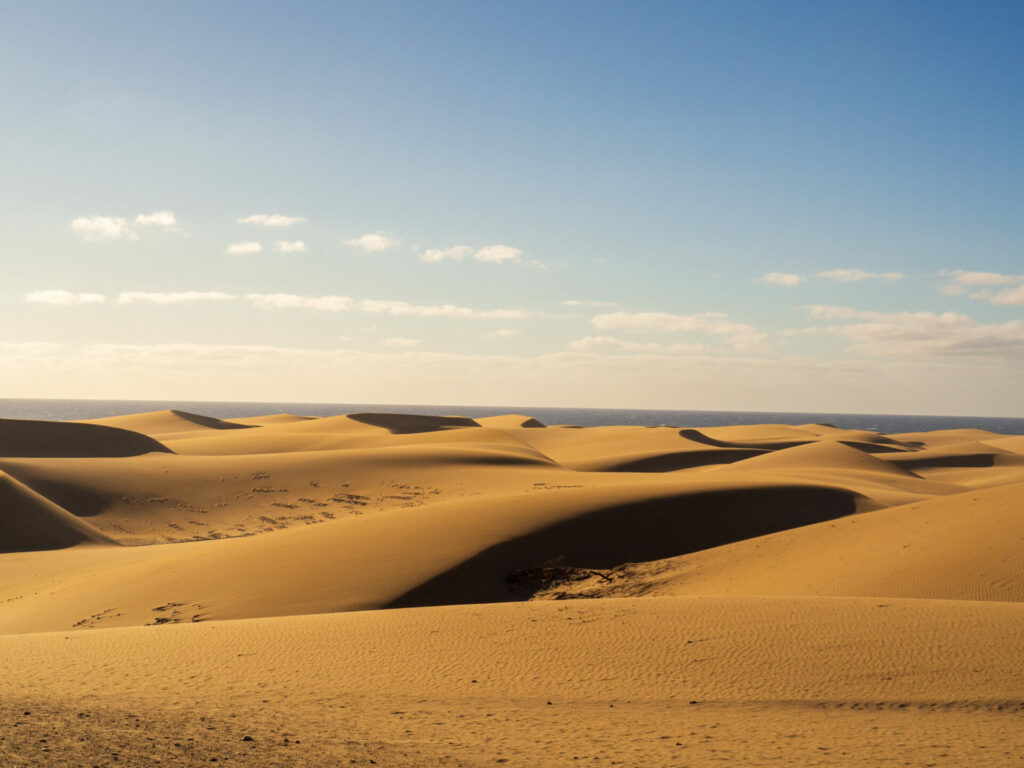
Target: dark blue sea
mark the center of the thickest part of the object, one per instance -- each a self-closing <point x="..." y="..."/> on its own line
<point x="584" y="417"/>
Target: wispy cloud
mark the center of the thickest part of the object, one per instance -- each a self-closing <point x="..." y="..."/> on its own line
<point x="972" y="279"/>
<point x="498" y="254"/>
<point x="64" y="298"/>
<point x="743" y="337"/>
<point x="502" y="333"/>
<point x="903" y="334"/>
<point x="589" y="303"/>
<point x="102" y="228"/>
<point x="455" y="253"/>
<point x="293" y="301"/>
<point x="272" y="220"/>
<point x="666" y="322"/>
<point x="290" y="246"/>
<point x="325" y="303"/>
<point x="404" y="308"/>
<point x="250" y="246"/>
<point x="781" y="278"/>
<point x="171" y="297"/>
<point x="372" y="242"/>
<point x="982" y="285"/>
<point x="1009" y="296"/>
<point x="838" y="275"/>
<point x="162" y="219"/>
<point x="400" y="342"/>
<point x="856" y="275"/>
<point x="492" y="254"/>
<point x="611" y="344"/>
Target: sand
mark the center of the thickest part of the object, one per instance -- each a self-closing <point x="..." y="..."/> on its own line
<point x="412" y="590"/>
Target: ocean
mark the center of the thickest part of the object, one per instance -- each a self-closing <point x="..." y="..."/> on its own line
<point x="584" y="417"/>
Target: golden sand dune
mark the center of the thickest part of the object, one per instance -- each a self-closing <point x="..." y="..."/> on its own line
<point x="446" y="553"/>
<point x="392" y="587"/>
<point x="167" y="424"/>
<point x="31" y="522"/>
<point x="67" y="439"/>
<point x="962" y="547"/>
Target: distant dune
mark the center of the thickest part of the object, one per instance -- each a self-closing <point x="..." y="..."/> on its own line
<point x="437" y="590"/>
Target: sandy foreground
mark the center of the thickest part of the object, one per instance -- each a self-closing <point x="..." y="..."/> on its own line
<point x="411" y="591"/>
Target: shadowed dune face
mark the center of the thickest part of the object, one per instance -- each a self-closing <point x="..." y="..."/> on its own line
<point x="699" y="437"/>
<point x="30" y="522"/>
<point x="671" y="462"/>
<point x="635" y="532"/>
<point x="402" y="424"/>
<point x="24" y="438"/>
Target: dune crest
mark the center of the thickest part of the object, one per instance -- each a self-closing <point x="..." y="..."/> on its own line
<point x="162" y="424"/>
<point x="403" y="424"/>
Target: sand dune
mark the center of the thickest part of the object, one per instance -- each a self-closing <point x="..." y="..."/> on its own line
<point x="67" y="439"/>
<point x="167" y="424"/>
<point x="30" y="522"/>
<point x="407" y="576"/>
<point x="962" y="547"/>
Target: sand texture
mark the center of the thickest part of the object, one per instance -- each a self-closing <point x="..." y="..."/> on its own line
<point x="408" y="590"/>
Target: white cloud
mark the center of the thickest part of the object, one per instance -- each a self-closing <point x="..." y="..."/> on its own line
<point x="329" y="303"/>
<point x="380" y="306"/>
<point x="502" y="314"/>
<point x="781" y="278"/>
<point x="163" y="219"/>
<point x="100" y="228"/>
<point x="838" y="313"/>
<point x="502" y="333"/>
<point x="856" y="275"/>
<point x="498" y="254"/>
<point x="372" y="242"/>
<point x="172" y="297"/>
<point x="244" y="247"/>
<point x="290" y="246"/>
<point x="292" y="301"/>
<point x="64" y="298"/>
<point x="588" y="303"/>
<point x="1010" y="296"/>
<point x="493" y="254"/>
<point x="962" y="282"/>
<point x="455" y="253"/>
<point x="666" y="322"/>
<point x="404" y="308"/>
<point x="272" y="220"/>
<point x="610" y="344"/>
<point x="905" y="334"/>
<point x="963" y="277"/>
<point x="400" y="342"/>
<point x="838" y="275"/>
<point x="744" y="338"/>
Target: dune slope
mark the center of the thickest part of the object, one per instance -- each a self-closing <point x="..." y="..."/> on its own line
<point x="664" y="681"/>
<point x="30" y="522"/>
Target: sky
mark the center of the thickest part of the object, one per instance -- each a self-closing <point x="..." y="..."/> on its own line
<point x="791" y="206"/>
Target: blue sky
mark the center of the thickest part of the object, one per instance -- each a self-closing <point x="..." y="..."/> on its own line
<point x="792" y="206"/>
